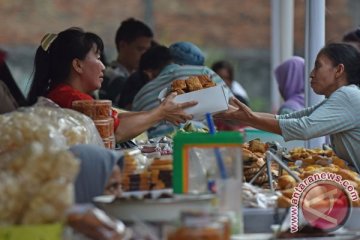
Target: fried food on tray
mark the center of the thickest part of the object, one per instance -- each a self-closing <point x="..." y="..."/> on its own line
<point x="256" y="145"/>
<point x="178" y="91"/>
<point x="178" y="84"/>
<point x="286" y="181"/>
<point x="206" y="81"/>
<point x="193" y="84"/>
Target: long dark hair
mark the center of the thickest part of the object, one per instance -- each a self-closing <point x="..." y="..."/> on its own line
<point x="52" y="65"/>
<point x="346" y="54"/>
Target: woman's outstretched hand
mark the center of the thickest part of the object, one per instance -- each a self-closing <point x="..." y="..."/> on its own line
<point x="174" y="112"/>
<point x="237" y="112"/>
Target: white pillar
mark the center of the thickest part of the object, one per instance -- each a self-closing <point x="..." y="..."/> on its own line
<point x="314" y="41"/>
<point x="282" y="42"/>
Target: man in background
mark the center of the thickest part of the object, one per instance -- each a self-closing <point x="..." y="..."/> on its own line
<point x="11" y="96"/>
<point x="132" y="39"/>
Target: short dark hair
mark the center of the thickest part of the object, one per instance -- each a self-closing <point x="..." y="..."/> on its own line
<point x="155" y="58"/>
<point x="353" y="37"/>
<point x="52" y="66"/>
<point x="131" y="29"/>
<point x="223" y="64"/>
<point x="346" y="54"/>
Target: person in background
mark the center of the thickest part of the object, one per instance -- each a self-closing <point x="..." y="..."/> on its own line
<point x="163" y="74"/>
<point x="290" y="76"/>
<point x="100" y="172"/>
<point x="353" y="37"/>
<point x="187" y="53"/>
<point x="226" y="71"/>
<point x="11" y="96"/>
<point x="132" y="39"/>
<point x="336" y="75"/>
<point x="135" y="82"/>
<point x="68" y="68"/>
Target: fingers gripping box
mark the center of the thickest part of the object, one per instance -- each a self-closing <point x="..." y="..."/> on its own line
<point x="210" y="100"/>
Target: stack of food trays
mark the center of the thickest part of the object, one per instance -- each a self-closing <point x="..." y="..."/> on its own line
<point x="100" y="112"/>
<point x="141" y="173"/>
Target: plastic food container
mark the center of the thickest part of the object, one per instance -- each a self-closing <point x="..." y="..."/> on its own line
<point x="109" y="142"/>
<point x="200" y="226"/>
<point x="95" y="109"/>
<point x="105" y="127"/>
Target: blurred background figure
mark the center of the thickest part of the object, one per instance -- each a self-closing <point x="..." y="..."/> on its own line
<point x="190" y="60"/>
<point x="100" y="172"/>
<point x="137" y="79"/>
<point x="186" y="53"/>
<point x="226" y="71"/>
<point x="132" y="39"/>
<point x="290" y="76"/>
<point x="11" y="96"/>
<point x="164" y="72"/>
<point x="353" y="37"/>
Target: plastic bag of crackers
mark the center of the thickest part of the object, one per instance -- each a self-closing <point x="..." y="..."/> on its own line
<point x="53" y="125"/>
<point x="31" y="178"/>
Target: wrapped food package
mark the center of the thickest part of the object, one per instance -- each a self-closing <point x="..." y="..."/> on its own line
<point x="95" y="109"/>
<point x="36" y="182"/>
<point x="36" y="169"/>
<point x="55" y="126"/>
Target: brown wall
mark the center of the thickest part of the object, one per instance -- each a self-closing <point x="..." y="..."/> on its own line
<point x="236" y="30"/>
<point x="242" y="24"/>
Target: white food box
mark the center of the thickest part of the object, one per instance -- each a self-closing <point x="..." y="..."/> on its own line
<point x="210" y="100"/>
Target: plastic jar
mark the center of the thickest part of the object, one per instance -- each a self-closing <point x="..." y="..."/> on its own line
<point x="105" y="127"/>
<point x="95" y="109"/>
<point x="102" y="109"/>
<point x="200" y="226"/>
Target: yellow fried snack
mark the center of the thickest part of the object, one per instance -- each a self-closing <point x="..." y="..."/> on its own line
<point x="286" y="181"/>
<point x="205" y="81"/>
<point x="178" y="84"/>
<point x="193" y="84"/>
<point x="257" y="146"/>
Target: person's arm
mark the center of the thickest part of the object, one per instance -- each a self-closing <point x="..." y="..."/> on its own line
<point x="266" y="115"/>
<point x="240" y="112"/>
<point x="134" y="123"/>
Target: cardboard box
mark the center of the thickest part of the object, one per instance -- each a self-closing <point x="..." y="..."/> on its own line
<point x="210" y="100"/>
<point x="32" y="232"/>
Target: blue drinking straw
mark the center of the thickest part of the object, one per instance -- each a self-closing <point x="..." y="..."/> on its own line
<point x="219" y="159"/>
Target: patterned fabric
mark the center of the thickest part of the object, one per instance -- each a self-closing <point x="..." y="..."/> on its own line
<point x="337" y="116"/>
